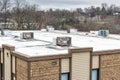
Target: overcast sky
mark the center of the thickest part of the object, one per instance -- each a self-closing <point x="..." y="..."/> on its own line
<point x="71" y="4"/>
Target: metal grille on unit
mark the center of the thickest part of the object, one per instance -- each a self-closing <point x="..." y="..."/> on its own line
<point x="27" y="35"/>
<point x="63" y="41"/>
<point x="103" y="33"/>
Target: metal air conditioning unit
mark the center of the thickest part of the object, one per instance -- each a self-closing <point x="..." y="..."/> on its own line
<point x="63" y="41"/>
<point x="43" y="30"/>
<point x="50" y="28"/>
<point x="72" y="30"/>
<point x="103" y="33"/>
<point x="6" y="32"/>
<point x="27" y="35"/>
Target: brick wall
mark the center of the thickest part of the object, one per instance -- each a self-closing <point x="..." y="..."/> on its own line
<point x="110" y="67"/>
<point x="21" y="69"/>
<point x="45" y="70"/>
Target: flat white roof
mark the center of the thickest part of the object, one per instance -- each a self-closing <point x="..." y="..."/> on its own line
<point x="43" y="40"/>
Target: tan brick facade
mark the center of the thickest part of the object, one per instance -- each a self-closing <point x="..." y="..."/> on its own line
<point x="45" y="70"/>
<point x="110" y="67"/>
<point x="21" y="69"/>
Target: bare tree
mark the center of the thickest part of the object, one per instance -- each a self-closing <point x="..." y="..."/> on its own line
<point x="5" y="6"/>
<point x="29" y="16"/>
<point x="18" y="12"/>
<point x="0" y="5"/>
<point x="20" y="3"/>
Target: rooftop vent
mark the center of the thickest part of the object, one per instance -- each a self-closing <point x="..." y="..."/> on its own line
<point x="27" y="35"/>
<point x="93" y="33"/>
<point x="50" y="28"/>
<point x="63" y="41"/>
<point x="103" y="33"/>
<point x="6" y="32"/>
<point x="72" y="30"/>
<point x="43" y="30"/>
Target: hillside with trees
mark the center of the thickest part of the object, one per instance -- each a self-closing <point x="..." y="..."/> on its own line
<point x="23" y="16"/>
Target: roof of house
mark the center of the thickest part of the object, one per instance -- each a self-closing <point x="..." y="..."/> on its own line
<point x="41" y="45"/>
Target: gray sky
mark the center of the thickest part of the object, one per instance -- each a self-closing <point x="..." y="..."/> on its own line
<point x="71" y="4"/>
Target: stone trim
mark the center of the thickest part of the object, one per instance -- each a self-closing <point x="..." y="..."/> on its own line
<point x="11" y="67"/>
<point x="106" y="52"/>
<point x="67" y="55"/>
<point x="76" y="50"/>
<point x="15" y="68"/>
<point x="70" y="68"/>
<point x="37" y="58"/>
<point x="91" y="65"/>
<point x="60" y="69"/>
<point x="99" y="67"/>
<point x="3" y="64"/>
<point x="0" y="48"/>
<point x="9" y="47"/>
<point x="19" y="55"/>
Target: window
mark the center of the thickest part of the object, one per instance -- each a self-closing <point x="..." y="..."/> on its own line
<point x="65" y="76"/>
<point x="13" y="76"/>
<point x="1" y="71"/>
<point x="95" y="74"/>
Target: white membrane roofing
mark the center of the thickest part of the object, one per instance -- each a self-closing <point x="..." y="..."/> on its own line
<point x="43" y="41"/>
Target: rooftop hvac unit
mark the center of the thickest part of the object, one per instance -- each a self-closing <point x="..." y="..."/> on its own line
<point x="72" y="30"/>
<point x="43" y="30"/>
<point x="27" y="35"/>
<point x="103" y="33"/>
<point x="50" y="28"/>
<point x="93" y="33"/>
<point x="6" y="32"/>
<point x="63" y="41"/>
